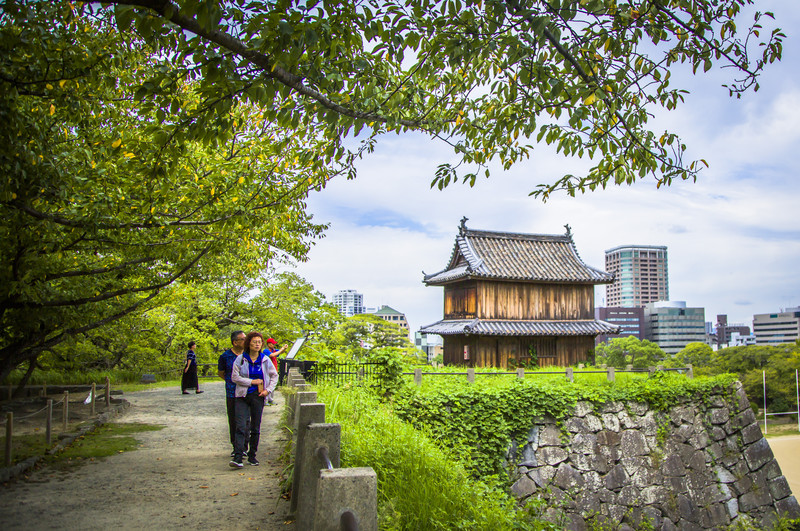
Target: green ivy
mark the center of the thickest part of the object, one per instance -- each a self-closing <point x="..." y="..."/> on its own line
<point x="479" y="421"/>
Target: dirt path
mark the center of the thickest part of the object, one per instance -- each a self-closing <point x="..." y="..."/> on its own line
<point x="178" y="478"/>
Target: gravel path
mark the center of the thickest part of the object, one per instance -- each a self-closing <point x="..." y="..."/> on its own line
<point x="178" y="478"/>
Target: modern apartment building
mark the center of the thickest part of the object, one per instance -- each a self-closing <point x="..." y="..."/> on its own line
<point x="393" y="316"/>
<point x="672" y="326"/>
<point x="349" y="302"/>
<point x="629" y="320"/>
<point x="640" y="275"/>
<point x="777" y="328"/>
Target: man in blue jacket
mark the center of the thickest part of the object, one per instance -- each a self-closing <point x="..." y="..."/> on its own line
<point x="225" y="369"/>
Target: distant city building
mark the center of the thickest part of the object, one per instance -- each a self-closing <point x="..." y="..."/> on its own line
<point x="723" y="331"/>
<point x="431" y="344"/>
<point x="777" y="328"/>
<point x="640" y="275"/>
<point x="672" y="326"/>
<point x="349" y="302"/>
<point x="738" y="340"/>
<point x="629" y="320"/>
<point x="393" y="316"/>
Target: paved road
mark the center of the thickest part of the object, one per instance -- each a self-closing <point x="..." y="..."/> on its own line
<point x="178" y="478"/>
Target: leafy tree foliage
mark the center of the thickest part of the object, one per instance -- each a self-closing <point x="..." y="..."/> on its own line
<point x="751" y="363"/>
<point x="155" y="339"/>
<point x="623" y="351"/>
<point x="143" y="140"/>
<point x="360" y="336"/>
<point x="106" y="200"/>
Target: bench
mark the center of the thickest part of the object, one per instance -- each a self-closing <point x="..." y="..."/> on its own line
<point x="148" y="378"/>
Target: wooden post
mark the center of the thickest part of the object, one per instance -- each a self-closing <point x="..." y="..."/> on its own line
<point x="471" y="375"/>
<point x="570" y="377"/>
<point x="48" y="431"/>
<point x="66" y="410"/>
<point x="9" y="436"/>
<point x="93" y="391"/>
<point x="44" y="388"/>
<point x="610" y="374"/>
<point x="108" y="391"/>
<point x="418" y="377"/>
<point x="628" y="367"/>
<point x="520" y="373"/>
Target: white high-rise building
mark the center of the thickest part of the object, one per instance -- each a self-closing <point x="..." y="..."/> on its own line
<point x="777" y="328"/>
<point x="349" y="302"/>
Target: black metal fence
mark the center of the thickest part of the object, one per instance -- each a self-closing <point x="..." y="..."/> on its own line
<point x="368" y="373"/>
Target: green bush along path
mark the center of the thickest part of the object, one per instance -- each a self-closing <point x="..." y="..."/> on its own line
<point x="178" y="477"/>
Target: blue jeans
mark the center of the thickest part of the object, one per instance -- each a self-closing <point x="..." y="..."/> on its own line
<point x="247" y="408"/>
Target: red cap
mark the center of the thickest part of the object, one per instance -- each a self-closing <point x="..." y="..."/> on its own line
<point x="270" y="340"/>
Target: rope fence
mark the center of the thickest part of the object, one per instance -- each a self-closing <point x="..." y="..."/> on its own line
<point x="91" y="400"/>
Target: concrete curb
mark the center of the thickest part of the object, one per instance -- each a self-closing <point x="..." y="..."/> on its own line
<point x="118" y="406"/>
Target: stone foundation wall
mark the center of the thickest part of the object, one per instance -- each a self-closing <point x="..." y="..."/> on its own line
<point x="621" y="465"/>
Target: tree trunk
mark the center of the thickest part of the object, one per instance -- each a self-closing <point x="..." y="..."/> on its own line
<point x="24" y="381"/>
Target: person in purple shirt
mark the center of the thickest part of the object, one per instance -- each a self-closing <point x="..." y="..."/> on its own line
<point x="255" y="377"/>
<point x="225" y="371"/>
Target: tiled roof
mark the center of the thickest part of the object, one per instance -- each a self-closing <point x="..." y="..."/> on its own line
<point x="483" y="327"/>
<point x="513" y="256"/>
<point x="387" y="310"/>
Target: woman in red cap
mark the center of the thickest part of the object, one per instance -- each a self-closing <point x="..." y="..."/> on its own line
<point x="274" y="352"/>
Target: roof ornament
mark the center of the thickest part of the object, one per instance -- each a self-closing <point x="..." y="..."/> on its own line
<point x="569" y="231"/>
<point x="463" y="228"/>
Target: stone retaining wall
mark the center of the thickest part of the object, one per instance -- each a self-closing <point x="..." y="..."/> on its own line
<point x="621" y="465"/>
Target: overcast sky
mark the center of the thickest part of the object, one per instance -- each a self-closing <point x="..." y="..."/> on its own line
<point x="733" y="237"/>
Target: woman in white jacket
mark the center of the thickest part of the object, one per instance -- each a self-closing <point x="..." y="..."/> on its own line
<point x="255" y="377"/>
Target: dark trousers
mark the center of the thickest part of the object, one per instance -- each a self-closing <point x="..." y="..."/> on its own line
<point x="250" y="407"/>
<point x="230" y="409"/>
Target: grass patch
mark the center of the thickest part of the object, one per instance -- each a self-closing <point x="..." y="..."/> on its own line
<point x="420" y="484"/>
<point x="106" y="440"/>
<point x="25" y="446"/>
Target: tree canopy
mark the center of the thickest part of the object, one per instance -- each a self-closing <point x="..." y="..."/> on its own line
<point x="150" y="141"/>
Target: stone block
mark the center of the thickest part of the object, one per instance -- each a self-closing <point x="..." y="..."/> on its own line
<point x="719" y="415"/>
<point x="681" y="415"/>
<point x="305" y="487"/>
<point x="651" y="517"/>
<point x="699" y="439"/>
<point x="750" y="501"/>
<point x="616" y="478"/>
<point x="632" y="443"/>
<point x="732" y="506"/>
<point x="574" y="522"/>
<point x="633" y="464"/>
<point x="610" y="421"/>
<point x="717" y="433"/>
<point x="668" y="525"/>
<point x="583" y="408"/>
<point x="673" y="466"/>
<point x="758" y="454"/>
<point x="741" y="400"/>
<point x="550" y="435"/>
<point x="779" y="488"/>
<point x="697" y="462"/>
<point x="724" y="475"/>
<point x="751" y="433"/>
<point x="715" y="517"/>
<point x="346" y="490"/>
<point x="616" y="513"/>
<point x="676" y="485"/>
<point x="613" y="406"/>
<point x="584" y="443"/>
<point x="629" y="496"/>
<point x="552" y="455"/>
<point x="568" y="478"/>
<point x="655" y="495"/>
<point x="547" y="473"/>
<point x="533" y="437"/>
<point x="648" y="424"/>
<point x="788" y="507"/>
<point x="523" y="487"/>
<point x="576" y="425"/>
<point x="645" y="477"/>
<point x="626" y="421"/>
<point x="745" y="418"/>
<point x="587" y="503"/>
<point x="528" y="456"/>
<point x="682" y="433"/>
<point x="536" y="476"/>
<point x="772" y="469"/>
<point x="593" y="423"/>
<point x="688" y="510"/>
